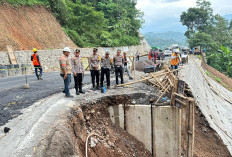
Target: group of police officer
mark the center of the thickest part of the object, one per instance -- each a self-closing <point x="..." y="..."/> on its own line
<point x="97" y="64"/>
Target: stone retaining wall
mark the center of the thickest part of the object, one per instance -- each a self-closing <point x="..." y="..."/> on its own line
<point x="49" y="58"/>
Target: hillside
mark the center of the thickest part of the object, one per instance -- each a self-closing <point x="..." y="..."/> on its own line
<point x="165" y="39"/>
<point x="26" y="27"/>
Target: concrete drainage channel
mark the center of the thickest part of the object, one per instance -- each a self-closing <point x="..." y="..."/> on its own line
<point x="118" y="125"/>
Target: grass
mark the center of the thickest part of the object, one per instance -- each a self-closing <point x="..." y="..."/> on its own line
<point x="217" y="79"/>
<point x="213" y="76"/>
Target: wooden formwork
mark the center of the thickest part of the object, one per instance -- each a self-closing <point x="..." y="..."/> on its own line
<point x="168" y="84"/>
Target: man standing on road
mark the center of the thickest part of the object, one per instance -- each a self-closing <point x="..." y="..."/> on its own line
<point x="106" y="63"/>
<point x="37" y="64"/>
<point x="126" y="69"/>
<point x="175" y="59"/>
<point x="78" y="71"/>
<point x="65" y="70"/>
<point x="137" y="55"/>
<point x="118" y="63"/>
<point x="95" y="60"/>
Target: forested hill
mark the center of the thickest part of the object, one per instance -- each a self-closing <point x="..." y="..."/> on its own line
<point x="94" y="22"/>
<point x="166" y="39"/>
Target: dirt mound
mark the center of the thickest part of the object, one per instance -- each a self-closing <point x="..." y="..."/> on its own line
<point x="28" y="27"/>
<point x="115" y="142"/>
<point x="69" y="137"/>
<point x="207" y="141"/>
<point x="140" y="65"/>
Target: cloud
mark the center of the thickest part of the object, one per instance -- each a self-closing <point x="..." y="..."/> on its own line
<point x="164" y="15"/>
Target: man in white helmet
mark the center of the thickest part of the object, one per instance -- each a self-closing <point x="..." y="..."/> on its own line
<point x="66" y="70"/>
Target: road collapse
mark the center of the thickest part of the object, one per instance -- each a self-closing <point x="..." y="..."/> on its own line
<point x="152" y="119"/>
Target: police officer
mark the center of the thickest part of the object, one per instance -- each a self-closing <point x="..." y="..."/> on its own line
<point x="118" y="64"/>
<point x="78" y="71"/>
<point x="106" y="63"/>
<point x="95" y="60"/>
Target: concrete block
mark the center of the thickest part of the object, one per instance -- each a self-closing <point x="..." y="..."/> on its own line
<point x="3" y="71"/>
<point x="138" y="123"/>
<point x="117" y="115"/>
<point x="167" y="131"/>
<point x="11" y="70"/>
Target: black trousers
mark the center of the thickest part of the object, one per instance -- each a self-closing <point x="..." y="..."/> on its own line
<point x="107" y="73"/>
<point x="119" y="70"/>
<point x="95" y="74"/>
<point x="137" y="58"/>
<point x="78" y="81"/>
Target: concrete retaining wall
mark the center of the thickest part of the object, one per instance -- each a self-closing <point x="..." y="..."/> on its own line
<point x="138" y="121"/>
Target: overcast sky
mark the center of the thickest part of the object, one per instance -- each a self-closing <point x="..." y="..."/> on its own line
<point x="164" y="15"/>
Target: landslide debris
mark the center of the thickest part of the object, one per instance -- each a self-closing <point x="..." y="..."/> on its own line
<point x="69" y="137"/>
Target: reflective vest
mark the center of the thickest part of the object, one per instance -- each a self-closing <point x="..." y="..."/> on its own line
<point x="176" y="60"/>
<point x="35" y="59"/>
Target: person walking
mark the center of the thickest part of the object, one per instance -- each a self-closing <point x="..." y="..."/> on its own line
<point x="125" y="68"/>
<point x="65" y="70"/>
<point x="118" y="63"/>
<point x="95" y="60"/>
<point x="78" y="71"/>
<point x="37" y="64"/>
<point x="137" y="55"/>
<point x="175" y="59"/>
<point x="106" y="63"/>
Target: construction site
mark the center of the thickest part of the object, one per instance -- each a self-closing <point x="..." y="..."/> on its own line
<point x="165" y="113"/>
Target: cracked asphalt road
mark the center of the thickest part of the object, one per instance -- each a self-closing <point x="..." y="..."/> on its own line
<point x="13" y="97"/>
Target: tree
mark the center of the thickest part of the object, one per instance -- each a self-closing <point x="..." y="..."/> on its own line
<point x="198" y="18"/>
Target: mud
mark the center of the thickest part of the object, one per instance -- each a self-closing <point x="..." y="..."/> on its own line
<point x="207" y="142"/>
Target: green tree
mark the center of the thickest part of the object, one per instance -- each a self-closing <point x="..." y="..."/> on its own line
<point x="198" y="18"/>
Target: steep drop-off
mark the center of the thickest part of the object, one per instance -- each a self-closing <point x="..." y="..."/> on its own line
<point x="28" y="27"/>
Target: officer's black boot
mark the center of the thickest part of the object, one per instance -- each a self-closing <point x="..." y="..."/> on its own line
<point x="93" y="87"/>
<point x="77" y="92"/>
<point x="98" y="88"/>
<point x="80" y="89"/>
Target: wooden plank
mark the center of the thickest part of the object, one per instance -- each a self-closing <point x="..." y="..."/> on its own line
<point x="181" y="102"/>
<point x="191" y="129"/>
<point x="165" y="91"/>
<point x="11" y="54"/>
<point x="162" y="87"/>
<point x="153" y="83"/>
<point x="134" y="82"/>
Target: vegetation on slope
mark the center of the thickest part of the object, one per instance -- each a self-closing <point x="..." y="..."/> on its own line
<point x="212" y="32"/>
<point x="94" y="22"/>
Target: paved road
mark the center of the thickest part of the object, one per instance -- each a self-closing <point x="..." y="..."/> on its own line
<point x="13" y="97"/>
<point x="19" y="81"/>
